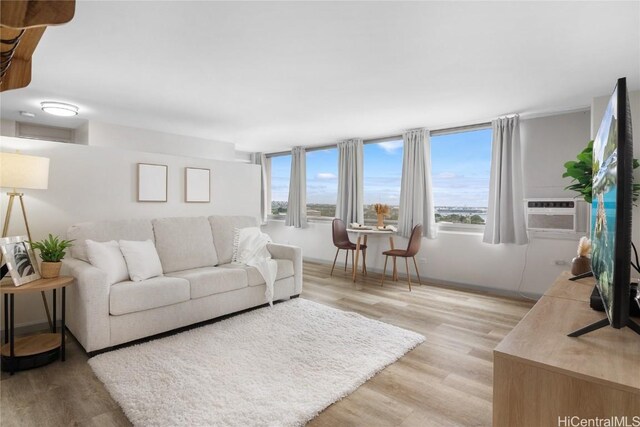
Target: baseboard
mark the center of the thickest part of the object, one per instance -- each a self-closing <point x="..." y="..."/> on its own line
<point x="443" y="283"/>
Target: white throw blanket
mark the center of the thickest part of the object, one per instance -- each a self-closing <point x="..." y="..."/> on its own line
<point x="250" y="248"/>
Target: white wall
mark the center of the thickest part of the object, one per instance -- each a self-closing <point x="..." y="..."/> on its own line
<point x="461" y="258"/>
<point x="102" y="134"/>
<point x="81" y="134"/>
<point x="88" y="183"/>
<point x="110" y="135"/>
<point x="7" y="127"/>
<point x="243" y="156"/>
<point x="548" y="143"/>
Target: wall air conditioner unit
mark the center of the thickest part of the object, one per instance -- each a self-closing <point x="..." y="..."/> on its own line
<point x="556" y="215"/>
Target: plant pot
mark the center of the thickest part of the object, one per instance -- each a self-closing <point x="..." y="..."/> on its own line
<point x="580" y="264"/>
<point x="50" y="270"/>
<point x="380" y="220"/>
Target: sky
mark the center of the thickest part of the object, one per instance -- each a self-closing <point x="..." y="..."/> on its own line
<point x="460" y="168"/>
<point x="460" y="165"/>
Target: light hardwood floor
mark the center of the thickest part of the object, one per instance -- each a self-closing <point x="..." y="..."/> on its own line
<point x="446" y="381"/>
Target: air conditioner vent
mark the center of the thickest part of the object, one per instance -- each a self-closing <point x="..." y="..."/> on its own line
<point x="48" y="133"/>
<point x="555" y="215"/>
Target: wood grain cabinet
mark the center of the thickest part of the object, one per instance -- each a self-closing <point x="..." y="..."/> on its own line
<point x="542" y="377"/>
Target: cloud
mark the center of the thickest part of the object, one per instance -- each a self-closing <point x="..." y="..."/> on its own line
<point x="326" y="175"/>
<point x="446" y="175"/>
<point x="390" y="146"/>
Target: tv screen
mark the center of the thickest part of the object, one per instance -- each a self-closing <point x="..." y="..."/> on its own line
<point x="612" y="206"/>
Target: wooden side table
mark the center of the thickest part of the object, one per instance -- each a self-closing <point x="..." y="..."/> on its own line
<point x="36" y="350"/>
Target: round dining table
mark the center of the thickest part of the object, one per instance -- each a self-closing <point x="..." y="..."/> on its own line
<point x="362" y="234"/>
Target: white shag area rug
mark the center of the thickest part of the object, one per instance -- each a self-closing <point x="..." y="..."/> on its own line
<point x="275" y="366"/>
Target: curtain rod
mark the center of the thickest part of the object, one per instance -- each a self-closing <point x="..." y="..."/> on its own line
<point x="460" y="128"/>
<point x="388" y="138"/>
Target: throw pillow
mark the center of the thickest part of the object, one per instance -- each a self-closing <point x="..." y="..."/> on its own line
<point x="107" y="257"/>
<point x="142" y="259"/>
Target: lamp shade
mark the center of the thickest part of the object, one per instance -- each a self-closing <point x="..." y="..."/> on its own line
<point x="24" y="172"/>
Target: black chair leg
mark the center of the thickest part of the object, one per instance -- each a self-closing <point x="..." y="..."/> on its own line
<point x="364" y="261"/>
<point x="334" y="261"/>
<point x="346" y="259"/>
<point x="384" y="270"/>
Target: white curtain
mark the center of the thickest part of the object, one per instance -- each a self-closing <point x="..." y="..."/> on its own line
<point x="416" y="196"/>
<point x="265" y="171"/>
<point x="349" y="206"/>
<point x="505" y="214"/>
<point x="297" y="205"/>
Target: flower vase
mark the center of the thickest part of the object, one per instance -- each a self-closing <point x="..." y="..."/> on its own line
<point x="380" y="220"/>
<point x="50" y="270"/>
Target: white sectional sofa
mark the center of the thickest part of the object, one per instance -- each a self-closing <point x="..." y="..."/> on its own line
<point x="199" y="281"/>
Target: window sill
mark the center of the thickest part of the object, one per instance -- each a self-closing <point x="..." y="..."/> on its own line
<point x="460" y="228"/>
<point x="319" y="219"/>
<point x="311" y="219"/>
<point x="463" y="229"/>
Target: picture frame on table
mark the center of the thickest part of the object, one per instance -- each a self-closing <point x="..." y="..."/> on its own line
<point x="20" y="259"/>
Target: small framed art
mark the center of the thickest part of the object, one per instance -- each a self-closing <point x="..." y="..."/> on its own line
<point x="197" y="185"/>
<point x="153" y="181"/>
<point x="20" y="259"/>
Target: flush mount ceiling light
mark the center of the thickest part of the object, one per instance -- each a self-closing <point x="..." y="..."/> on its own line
<point x="59" y="108"/>
<point x="27" y="114"/>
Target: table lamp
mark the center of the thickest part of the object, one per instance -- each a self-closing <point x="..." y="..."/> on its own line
<point x="19" y="172"/>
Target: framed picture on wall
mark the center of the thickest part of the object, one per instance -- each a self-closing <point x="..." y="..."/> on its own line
<point x="21" y="260"/>
<point x="152" y="182"/>
<point x="197" y="183"/>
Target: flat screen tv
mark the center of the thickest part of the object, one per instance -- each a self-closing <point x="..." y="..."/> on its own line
<point x="611" y="212"/>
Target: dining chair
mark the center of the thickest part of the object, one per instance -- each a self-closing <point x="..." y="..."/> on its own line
<point x="412" y="250"/>
<point x="341" y="241"/>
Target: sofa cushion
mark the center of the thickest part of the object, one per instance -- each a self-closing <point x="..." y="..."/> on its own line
<point x="223" y="231"/>
<point x="108" y="257"/>
<point x="212" y="280"/>
<point x="130" y="297"/>
<point x="254" y="278"/>
<point x="142" y="259"/>
<point x="184" y="243"/>
<point x="104" y="231"/>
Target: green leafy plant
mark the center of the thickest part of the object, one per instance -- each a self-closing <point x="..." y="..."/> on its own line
<point x="581" y="173"/>
<point x="52" y="249"/>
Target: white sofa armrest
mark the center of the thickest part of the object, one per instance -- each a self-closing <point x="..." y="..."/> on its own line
<point x="88" y="304"/>
<point x="292" y="253"/>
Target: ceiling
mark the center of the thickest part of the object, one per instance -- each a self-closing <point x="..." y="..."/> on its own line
<point x="271" y="75"/>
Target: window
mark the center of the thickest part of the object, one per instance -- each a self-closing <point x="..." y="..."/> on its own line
<point x="460" y="164"/>
<point x="322" y="182"/>
<point x="382" y="177"/>
<point x="280" y="173"/>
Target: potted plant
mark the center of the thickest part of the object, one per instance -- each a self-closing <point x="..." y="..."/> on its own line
<point x="52" y="250"/>
<point x="581" y="172"/>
